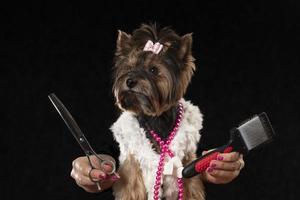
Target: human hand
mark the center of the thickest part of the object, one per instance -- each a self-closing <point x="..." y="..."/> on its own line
<point x="82" y="173"/>
<point x="223" y="170"/>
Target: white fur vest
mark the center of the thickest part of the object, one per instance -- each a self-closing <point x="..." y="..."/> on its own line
<point x="133" y="141"/>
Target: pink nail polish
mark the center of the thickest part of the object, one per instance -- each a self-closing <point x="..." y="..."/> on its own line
<point x="102" y="176"/>
<point x="210" y="169"/>
<point x="114" y="178"/>
<point x="213" y="165"/>
<point x="220" y="158"/>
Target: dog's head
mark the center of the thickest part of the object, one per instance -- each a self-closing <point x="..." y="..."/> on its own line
<point x="150" y="80"/>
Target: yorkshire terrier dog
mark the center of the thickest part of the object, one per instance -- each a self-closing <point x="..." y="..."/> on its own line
<point x="158" y="131"/>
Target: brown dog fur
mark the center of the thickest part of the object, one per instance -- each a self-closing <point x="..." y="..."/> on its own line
<point x="131" y="185"/>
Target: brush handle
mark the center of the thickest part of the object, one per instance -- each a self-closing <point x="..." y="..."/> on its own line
<point x="201" y="164"/>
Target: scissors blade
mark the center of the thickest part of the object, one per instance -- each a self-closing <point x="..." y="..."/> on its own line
<point x="71" y="124"/>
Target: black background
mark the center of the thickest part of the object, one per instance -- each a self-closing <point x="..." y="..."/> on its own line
<point x="247" y="59"/>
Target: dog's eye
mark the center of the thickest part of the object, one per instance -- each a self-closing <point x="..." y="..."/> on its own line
<point x="153" y="70"/>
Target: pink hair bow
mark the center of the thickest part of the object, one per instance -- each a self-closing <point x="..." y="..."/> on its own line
<point x="155" y="48"/>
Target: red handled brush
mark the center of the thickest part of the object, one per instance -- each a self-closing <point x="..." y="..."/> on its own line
<point x="251" y="134"/>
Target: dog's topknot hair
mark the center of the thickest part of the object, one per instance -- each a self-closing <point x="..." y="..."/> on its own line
<point x="152" y="32"/>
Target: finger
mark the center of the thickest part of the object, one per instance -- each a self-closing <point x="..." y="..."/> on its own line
<point x="96" y="175"/>
<point x="227" y="166"/>
<point x="114" y="177"/>
<point x="228" y="157"/>
<point x="81" y="165"/>
<point x="72" y="173"/>
<point x="107" y="167"/>
<point x="103" y="184"/>
<point x="209" y="178"/>
<point x="241" y="162"/>
<point x="104" y="174"/>
<point x="223" y="175"/>
<point x="85" y="170"/>
<point x="84" y="181"/>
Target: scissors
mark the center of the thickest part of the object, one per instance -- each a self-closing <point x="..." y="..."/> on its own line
<point x="81" y="139"/>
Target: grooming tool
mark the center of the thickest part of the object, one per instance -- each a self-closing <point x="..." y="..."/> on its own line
<point x="253" y="133"/>
<point x="79" y="136"/>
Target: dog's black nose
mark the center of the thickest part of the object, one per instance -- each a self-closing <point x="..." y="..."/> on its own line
<point x="131" y="82"/>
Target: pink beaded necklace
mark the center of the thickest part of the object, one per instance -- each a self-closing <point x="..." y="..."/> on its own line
<point x="165" y="151"/>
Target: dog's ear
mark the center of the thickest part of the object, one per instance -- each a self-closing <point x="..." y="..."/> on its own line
<point x="123" y="43"/>
<point x="185" y="49"/>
